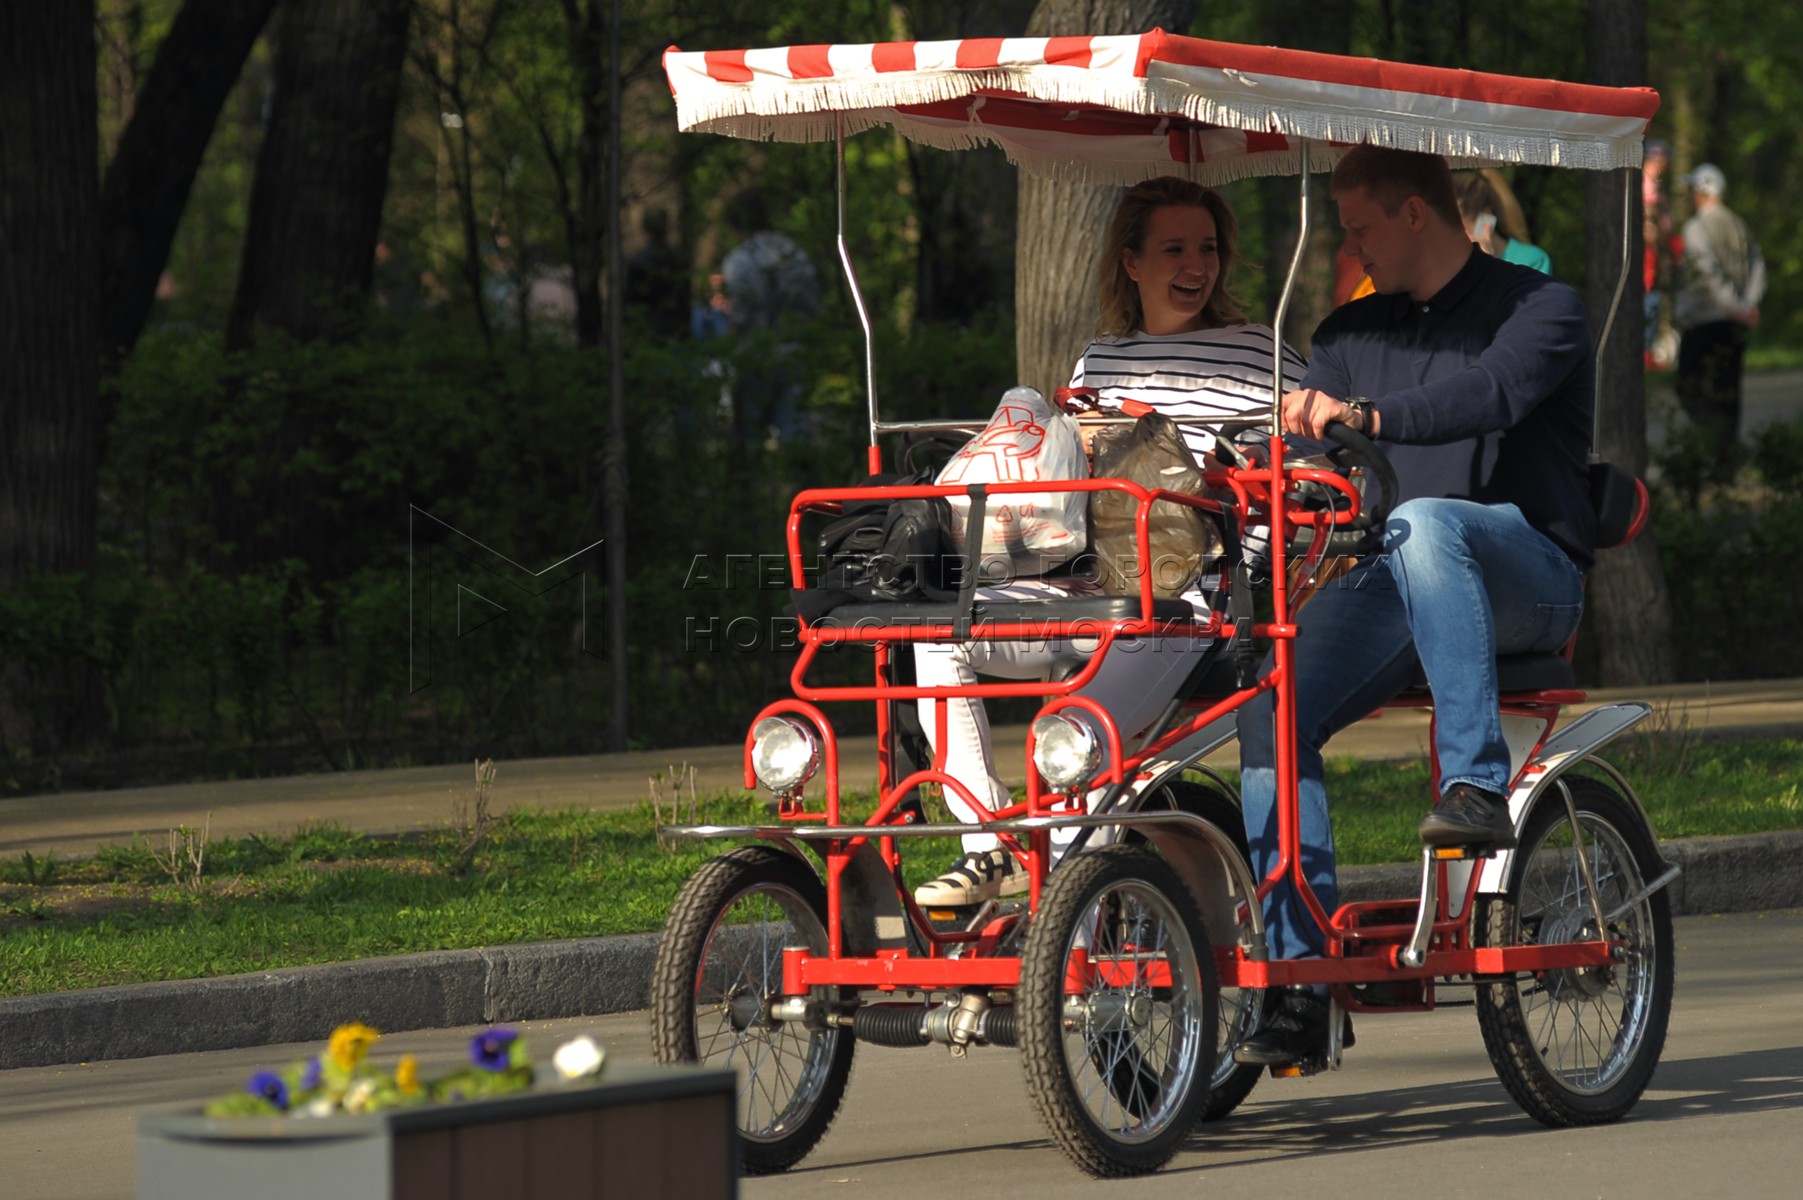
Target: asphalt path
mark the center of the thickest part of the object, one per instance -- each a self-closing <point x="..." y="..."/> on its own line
<point x="1416" y="1110"/>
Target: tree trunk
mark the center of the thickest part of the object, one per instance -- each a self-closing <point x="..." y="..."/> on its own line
<point x="147" y="182"/>
<point x="588" y="220"/>
<point x="1324" y="26"/>
<point x="1061" y="226"/>
<point x="1630" y="607"/>
<point x="322" y="175"/>
<point x="49" y="373"/>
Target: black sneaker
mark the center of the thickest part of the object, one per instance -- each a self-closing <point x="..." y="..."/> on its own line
<point x="1296" y="1031"/>
<point x="1468" y="816"/>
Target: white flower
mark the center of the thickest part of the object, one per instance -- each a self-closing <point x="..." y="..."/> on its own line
<point x="359" y="1096"/>
<point x="319" y="1106"/>
<point x="579" y="1058"/>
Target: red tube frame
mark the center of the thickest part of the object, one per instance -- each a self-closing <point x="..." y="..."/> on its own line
<point x="1359" y="952"/>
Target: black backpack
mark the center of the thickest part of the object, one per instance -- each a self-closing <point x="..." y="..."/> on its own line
<point x="884" y="550"/>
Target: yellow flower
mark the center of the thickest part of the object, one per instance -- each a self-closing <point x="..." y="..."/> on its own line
<point x="350" y="1043"/>
<point x="406" y="1076"/>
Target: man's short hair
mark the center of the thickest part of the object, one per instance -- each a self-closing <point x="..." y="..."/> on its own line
<point x="1392" y="176"/>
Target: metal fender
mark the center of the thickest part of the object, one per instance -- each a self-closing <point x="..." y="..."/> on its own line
<point x="1205" y="856"/>
<point x="870" y="911"/>
<point x="1565" y="749"/>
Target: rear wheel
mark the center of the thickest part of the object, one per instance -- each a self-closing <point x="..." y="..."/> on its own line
<point x="719" y="968"/>
<point x="1117" y="1057"/>
<point x="1578" y="1046"/>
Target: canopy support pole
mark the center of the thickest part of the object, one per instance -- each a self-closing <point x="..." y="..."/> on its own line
<point x="1283" y="301"/>
<point x="857" y="293"/>
<point x="1628" y="179"/>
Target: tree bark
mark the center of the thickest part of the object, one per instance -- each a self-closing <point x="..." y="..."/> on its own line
<point x="587" y="219"/>
<point x="1629" y="605"/>
<point x="322" y="174"/>
<point x="49" y="373"/>
<point x="1061" y="226"/>
<point x="147" y="182"/>
<point x="1324" y="26"/>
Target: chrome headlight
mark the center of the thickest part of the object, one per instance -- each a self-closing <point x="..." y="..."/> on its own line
<point x="1065" y="751"/>
<point x="784" y="753"/>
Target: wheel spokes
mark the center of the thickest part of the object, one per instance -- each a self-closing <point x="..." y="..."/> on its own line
<point x="1585" y="1034"/>
<point x="739" y="974"/>
<point x="1129" y="1049"/>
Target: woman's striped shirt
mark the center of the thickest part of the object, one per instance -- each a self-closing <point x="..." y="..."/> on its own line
<point x="1214" y="374"/>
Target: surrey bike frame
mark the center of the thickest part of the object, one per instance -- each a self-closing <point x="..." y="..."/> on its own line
<point x="879" y="939"/>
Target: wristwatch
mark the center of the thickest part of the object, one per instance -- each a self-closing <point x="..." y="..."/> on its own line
<point x="1361" y="411"/>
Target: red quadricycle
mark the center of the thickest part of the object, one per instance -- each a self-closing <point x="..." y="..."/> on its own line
<point x="1126" y="976"/>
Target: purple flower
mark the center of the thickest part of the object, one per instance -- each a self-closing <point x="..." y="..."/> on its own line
<point x="491" y="1049"/>
<point x="270" y="1087"/>
<point x="309" y="1080"/>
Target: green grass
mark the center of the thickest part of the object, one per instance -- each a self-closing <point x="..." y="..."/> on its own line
<point x="329" y="895"/>
<point x="1774" y="358"/>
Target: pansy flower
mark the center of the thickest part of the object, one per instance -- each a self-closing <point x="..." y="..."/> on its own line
<point x="406" y="1076"/>
<point x="269" y="1086"/>
<point x="492" y="1049"/>
<point x="350" y="1044"/>
<point x="309" y="1080"/>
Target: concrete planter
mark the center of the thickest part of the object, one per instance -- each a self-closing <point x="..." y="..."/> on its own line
<point x="643" y="1133"/>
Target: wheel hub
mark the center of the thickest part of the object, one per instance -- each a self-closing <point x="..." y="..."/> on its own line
<point x="745" y="1009"/>
<point x="1109" y="1010"/>
<point x="1574" y="983"/>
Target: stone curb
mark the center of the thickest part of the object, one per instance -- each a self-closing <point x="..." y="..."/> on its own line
<point x="547" y="980"/>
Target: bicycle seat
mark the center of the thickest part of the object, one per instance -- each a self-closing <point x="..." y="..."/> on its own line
<point x="1546" y="672"/>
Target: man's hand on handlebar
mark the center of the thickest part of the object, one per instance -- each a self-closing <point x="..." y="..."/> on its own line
<point x="1310" y="411"/>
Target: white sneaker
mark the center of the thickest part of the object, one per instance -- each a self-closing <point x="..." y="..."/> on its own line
<point x="979" y="876"/>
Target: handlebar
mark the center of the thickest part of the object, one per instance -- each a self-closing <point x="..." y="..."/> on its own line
<point x="1354" y="449"/>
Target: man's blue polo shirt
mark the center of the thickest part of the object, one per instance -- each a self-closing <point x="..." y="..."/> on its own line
<point x="1484" y="392"/>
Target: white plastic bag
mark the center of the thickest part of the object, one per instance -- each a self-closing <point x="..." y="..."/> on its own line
<point x="1028" y="533"/>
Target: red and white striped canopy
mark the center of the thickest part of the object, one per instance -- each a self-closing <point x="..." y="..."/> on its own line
<point x="1123" y="109"/>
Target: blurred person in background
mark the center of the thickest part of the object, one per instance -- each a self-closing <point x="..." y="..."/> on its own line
<point x="1720" y="283"/>
<point x="1494" y="220"/>
<point x="1662" y="249"/>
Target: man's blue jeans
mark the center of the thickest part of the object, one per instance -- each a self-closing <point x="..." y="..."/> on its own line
<point x="1457" y="584"/>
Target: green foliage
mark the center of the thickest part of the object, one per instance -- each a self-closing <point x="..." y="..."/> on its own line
<point x="264" y="520"/>
<point x="1729" y="560"/>
<point x="1731" y="91"/>
<point x="292" y="537"/>
<point x="29" y="869"/>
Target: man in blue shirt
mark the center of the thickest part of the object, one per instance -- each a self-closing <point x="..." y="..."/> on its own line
<point x="1481" y="389"/>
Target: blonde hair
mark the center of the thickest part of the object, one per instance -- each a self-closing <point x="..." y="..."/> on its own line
<point x="1487" y="191"/>
<point x="1119" y="312"/>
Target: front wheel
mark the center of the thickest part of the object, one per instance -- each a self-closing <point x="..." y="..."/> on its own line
<point x="1117" y="1011"/>
<point x="719" y="968"/>
<point x="1578" y="1046"/>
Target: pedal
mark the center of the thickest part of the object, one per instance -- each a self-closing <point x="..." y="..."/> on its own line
<point x="1462" y="853"/>
<point x="1302" y="1068"/>
<point x="969" y="918"/>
